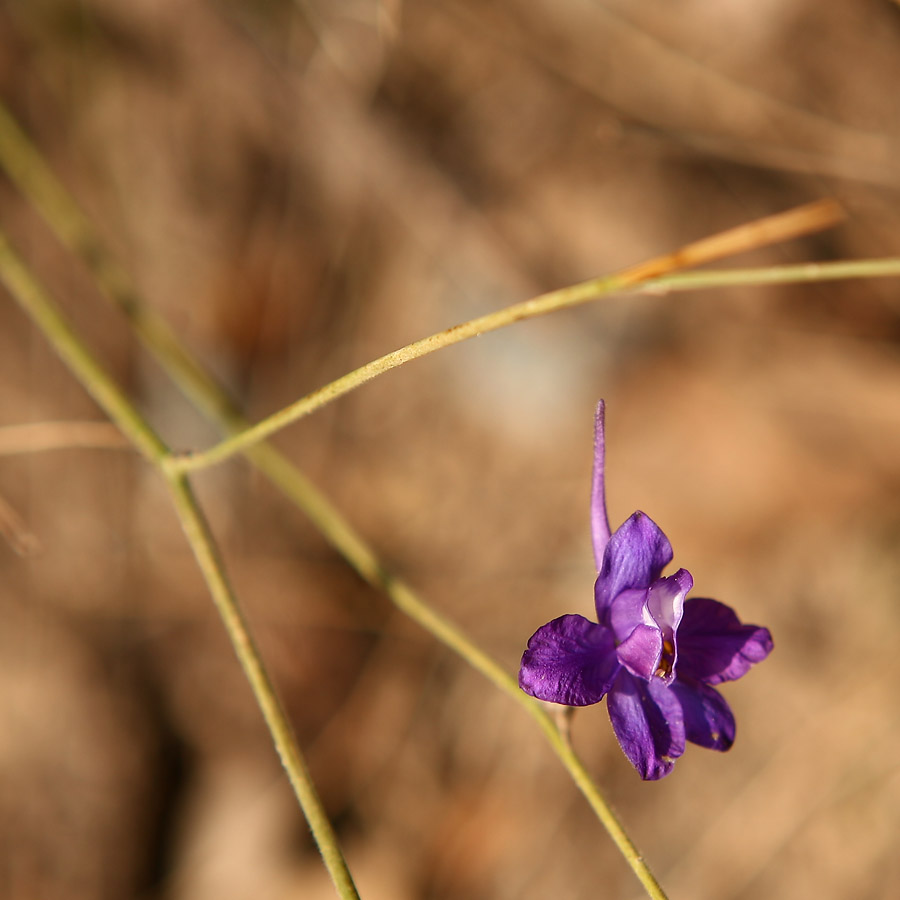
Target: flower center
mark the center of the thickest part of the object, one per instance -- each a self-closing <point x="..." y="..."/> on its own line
<point x="666" y="660"/>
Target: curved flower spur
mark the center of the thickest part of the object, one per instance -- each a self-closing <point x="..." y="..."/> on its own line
<point x="654" y="654"/>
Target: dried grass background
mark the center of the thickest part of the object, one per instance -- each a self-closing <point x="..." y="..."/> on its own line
<point x="301" y="186"/>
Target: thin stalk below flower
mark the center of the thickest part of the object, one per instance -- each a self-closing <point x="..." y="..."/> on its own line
<point x="406" y="600"/>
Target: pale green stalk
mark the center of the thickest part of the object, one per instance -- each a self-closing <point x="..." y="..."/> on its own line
<point x="561" y="299"/>
<point x="37" y="304"/>
<point x="37" y="182"/>
<point x="537" y="306"/>
<point x="841" y="270"/>
<point x="204" y="547"/>
<point x="406" y="600"/>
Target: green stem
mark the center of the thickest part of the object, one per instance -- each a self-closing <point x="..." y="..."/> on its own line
<point x="203" y="545"/>
<point x="546" y="303"/>
<point x="602" y="810"/>
<point x="555" y="300"/>
<point x="38" y="305"/>
<point x="841" y="270"/>
<point x="407" y="601"/>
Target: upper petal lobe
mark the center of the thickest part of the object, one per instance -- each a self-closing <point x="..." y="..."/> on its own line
<point x="570" y="660"/>
<point x="635" y="556"/>
<point x="714" y="646"/>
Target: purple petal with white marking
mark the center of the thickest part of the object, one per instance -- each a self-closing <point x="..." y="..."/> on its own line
<point x="570" y="660"/>
<point x="665" y="604"/>
<point x="715" y="646"/>
<point x="647" y="720"/>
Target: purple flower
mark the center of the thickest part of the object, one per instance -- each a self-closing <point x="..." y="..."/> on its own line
<point x="653" y="653"/>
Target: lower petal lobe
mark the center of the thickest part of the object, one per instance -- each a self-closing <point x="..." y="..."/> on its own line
<point x="708" y="720"/>
<point x="648" y="721"/>
<point x="570" y="660"/>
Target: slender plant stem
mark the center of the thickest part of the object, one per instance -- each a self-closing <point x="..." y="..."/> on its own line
<point x="571" y="296"/>
<point x="556" y="300"/>
<point x="38" y="305"/>
<point x="841" y="270"/>
<point x="409" y="602"/>
<point x="603" y="811"/>
<point x="203" y="545"/>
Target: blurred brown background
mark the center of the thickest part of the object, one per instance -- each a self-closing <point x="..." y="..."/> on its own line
<point x="301" y="186"/>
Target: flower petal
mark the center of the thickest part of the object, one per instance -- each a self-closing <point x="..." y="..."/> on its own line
<point x="635" y="556"/>
<point x="708" y="720"/>
<point x="627" y="611"/>
<point x="715" y="646"/>
<point x="640" y="652"/>
<point x="648" y="721"/>
<point x="599" y="518"/>
<point x="570" y="660"/>
<point x="665" y="600"/>
<point x="665" y="604"/>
